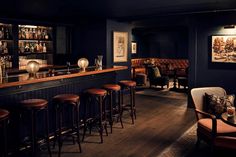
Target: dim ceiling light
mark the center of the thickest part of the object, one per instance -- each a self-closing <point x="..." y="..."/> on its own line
<point x="229" y="27"/>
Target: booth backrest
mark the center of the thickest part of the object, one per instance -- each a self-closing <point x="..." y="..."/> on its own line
<point x="180" y="65"/>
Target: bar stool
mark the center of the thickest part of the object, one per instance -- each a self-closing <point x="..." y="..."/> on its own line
<point x="60" y="102"/>
<point x="128" y="85"/>
<point x="34" y="106"/>
<point x="98" y="95"/>
<point x="4" y="117"/>
<point x="114" y="109"/>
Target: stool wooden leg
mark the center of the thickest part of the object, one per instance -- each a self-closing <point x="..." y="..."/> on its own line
<point x="134" y="105"/>
<point x="111" y="110"/>
<point x="131" y="104"/>
<point x="100" y="118"/>
<point x="60" y="130"/>
<point x="47" y="131"/>
<point x="119" y="108"/>
<point x="77" y="125"/>
<point x="33" y="133"/>
<point x="5" y="138"/>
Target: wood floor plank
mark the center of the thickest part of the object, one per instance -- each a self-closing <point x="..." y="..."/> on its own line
<point x="160" y="121"/>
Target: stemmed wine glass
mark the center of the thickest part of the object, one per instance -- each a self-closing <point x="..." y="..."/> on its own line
<point x="68" y="67"/>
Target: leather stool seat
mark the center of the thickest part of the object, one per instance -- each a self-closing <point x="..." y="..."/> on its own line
<point x="96" y="91"/>
<point x="34" y="103"/>
<point x="113" y="87"/>
<point x="127" y="83"/>
<point x="66" y="98"/>
<point x="3" y="114"/>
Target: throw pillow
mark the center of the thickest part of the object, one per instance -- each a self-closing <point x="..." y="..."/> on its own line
<point x="157" y="72"/>
<point x="217" y="105"/>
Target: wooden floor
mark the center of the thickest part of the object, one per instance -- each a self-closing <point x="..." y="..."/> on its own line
<point x="161" y="119"/>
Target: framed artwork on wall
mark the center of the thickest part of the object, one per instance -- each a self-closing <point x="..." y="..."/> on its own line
<point x="223" y="48"/>
<point x="120" y="46"/>
<point x="133" y="47"/>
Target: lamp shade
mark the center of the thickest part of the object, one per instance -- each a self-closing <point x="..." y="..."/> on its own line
<point x="32" y="67"/>
<point x="83" y="63"/>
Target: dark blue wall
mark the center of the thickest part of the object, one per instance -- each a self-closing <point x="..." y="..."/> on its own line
<point x="202" y="71"/>
<point x="89" y="40"/>
<point x="169" y="42"/>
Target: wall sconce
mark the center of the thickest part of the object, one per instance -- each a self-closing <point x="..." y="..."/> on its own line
<point x="229" y="27"/>
<point x="32" y="68"/>
<point x="83" y="63"/>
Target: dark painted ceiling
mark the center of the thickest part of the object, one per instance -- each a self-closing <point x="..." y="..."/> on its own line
<point x="68" y="10"/>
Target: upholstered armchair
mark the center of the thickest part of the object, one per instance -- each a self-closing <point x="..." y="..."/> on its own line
<point x="210" y="128"/>
<point x="155" y="77"/>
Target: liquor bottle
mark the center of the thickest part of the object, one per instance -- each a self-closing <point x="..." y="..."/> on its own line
<point x="33" y="34"/>
<point x="40" y="47"/>
<point x="44" y="48"/>
<point x="46" y="35"/>
<point x="7" y="35"/>
<point x="1" y="47"/>
<point x="39" y="33"/>
<point x="2" y="33"/>
<point x="27" y="33"/>
<point x="32" y="47"/>
<point x="27" y="48"/>
<point x="23" y="35"/>
<point x="5" y="48"/>
<point x="10" y="61"/>
<point x="30" y="33"/>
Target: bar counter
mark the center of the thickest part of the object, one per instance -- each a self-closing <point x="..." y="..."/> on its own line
<point x="45" y="86"/>
<point x="23" y="79"/>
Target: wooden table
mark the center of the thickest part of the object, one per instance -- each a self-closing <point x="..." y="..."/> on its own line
<point x="228" y="120"/>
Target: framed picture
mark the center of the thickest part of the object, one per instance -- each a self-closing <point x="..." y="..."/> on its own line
<point x="133" y="47"/>
<point x="223" y="48"/>
<point x="120" y="46"/>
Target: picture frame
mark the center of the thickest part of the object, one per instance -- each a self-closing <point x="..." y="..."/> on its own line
<point x="120" y="46"/>
<point x="133" y="47"/>
<point x="223" y="49"/>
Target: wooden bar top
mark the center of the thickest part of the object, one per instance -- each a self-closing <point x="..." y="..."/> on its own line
<point x="23" y="79"/>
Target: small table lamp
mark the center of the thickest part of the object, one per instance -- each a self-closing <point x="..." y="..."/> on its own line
<point x="32" y="68"/>
<point x="83" y="63"/>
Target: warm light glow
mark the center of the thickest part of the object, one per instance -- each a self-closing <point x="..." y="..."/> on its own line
<point x="83" y="63"/>
<point x="32" y="67"/>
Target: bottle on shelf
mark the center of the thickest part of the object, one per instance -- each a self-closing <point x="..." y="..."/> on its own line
<point x="7" y="34"/>
<point x="34" y="34"/>
<point x="46" y="35"/>
<point x="40" y="47"/>
<point x="27" y="35"/>
<point x="1" y="47"/>
<point x="44" y="48"/>
<point x="39" y="33"/>
<point x="5" y="48"/>
<point x="2" y="32"/>
<point x="27" y="48"/>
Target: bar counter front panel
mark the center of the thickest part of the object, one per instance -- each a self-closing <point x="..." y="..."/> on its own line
<point x="46" y="87"/>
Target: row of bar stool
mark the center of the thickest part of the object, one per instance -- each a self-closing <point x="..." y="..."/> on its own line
<point x="105" y="114"/>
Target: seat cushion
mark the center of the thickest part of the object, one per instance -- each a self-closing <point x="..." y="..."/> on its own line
<point x="205" y="125"/>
